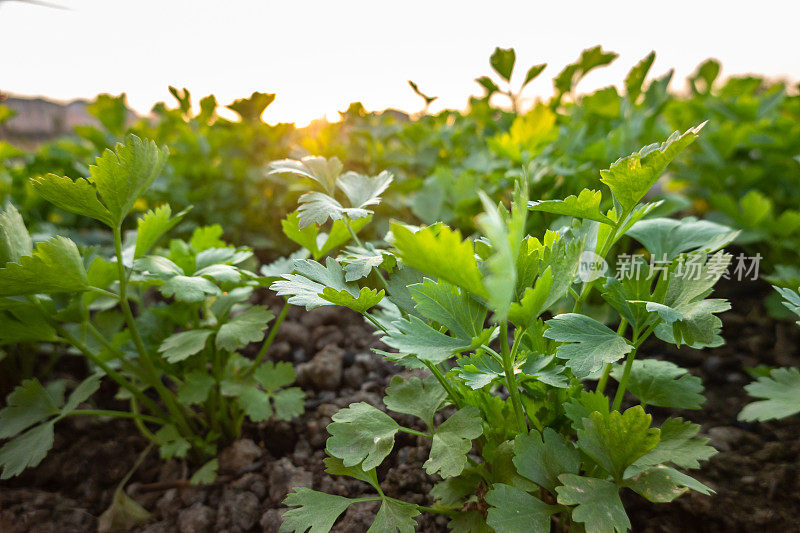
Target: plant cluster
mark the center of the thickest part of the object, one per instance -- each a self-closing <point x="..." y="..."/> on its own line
<point x="167" y="326"/>
<point x="517" y="438"/>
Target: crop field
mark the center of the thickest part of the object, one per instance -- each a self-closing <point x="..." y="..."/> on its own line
<point x="569" y="314"/>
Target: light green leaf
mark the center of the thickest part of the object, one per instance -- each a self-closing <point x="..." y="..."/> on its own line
<point x="55" y="266"/>
<point x="335" y="467"/>
<point x="307" y="285"/>
<point x="152" y="226"/>
<point x="599" y="506"/>
<point x="189" y="289"/>
<point x="206" y="474"/>
<point x="542" y="457"/>
<point x="254" y="402"/>
<point x="207" y="238"/>
<point x="630" y="178"/>
<point x="533" y="73"/>
<point x="636" y="76"/>
<point x="365" y="300"/>
<point x="445" y="304"/>
<point x="533" y="301"/>
<point x="289" y="403"/>
<point x="678" y="445"/>
<point x="617" y="440"/>
<point x="196" y="387"/>
<point x="244" y="328"/>
<point x="314" y="512"/>
<point x="171" y="443"/>
<point x="78" y="196"/>
<point x="515" y="511"/>
<point x="413" y="337"/>
<point x="273" y="376"/>
<point x="15" y="241"/>
<point x="26" y="451"/>
<point x="123" y="175"/>
<point x="663" y="384"/>
<point x="780" y="392"/>
<point x="439" y="251"/>
<point x="585" y="205"/>
<point x="317" y="208"/>
<point x="180" y="346"/>
<point x="452" y="441"/>
<point x="361" y="434"/>
<point x="662" y="484"/>
<point x="28" y="404"/>
<point x="591" y="344"/>
<point x="364" y="191"/>
<point x="413" y="396"/>
<point x="394" y="517"/>
<point x="323" y="171"/>
<point x="666" y="238"/>
<point x="81" y="393"/>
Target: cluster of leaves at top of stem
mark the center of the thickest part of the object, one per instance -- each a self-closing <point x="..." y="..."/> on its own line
<point x="516" y="437"/>
<point x="166" y="325"/>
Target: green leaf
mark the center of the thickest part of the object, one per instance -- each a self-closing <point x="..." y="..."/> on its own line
<point x="439" y="251"/>
<point x="359" y="262"/>
<point x="123" y="175"/>
<point x="273" y="376"/>
<point x="678" y="445"/>
<point x="254" y="402"/>
<point x="81" y="393"/>
<point x="452" y="441"/>
<point x="515" y="511"/>
<point x="666" y="238"/>
<point x="28" y="404"/>
<point x="630" y="178"/>
<point x="317" y="208"/>
<point x="585" y="205"/>
<point x="180" y="346"/>
<point x="468" y="522"/>
<point x="335" y="467"/>
<point x="207" y="238"/>
<point x="79" y="196"/>
<point x="26" y="451"/>
<point x="579" y="408"/>
<point x="190" y="289"/>
<point x="502" y="61"/>
<point x="663" y="384"/>
<point x="617" y="440"/>
<point x="413" y="337"/>
<point x="152" y="226"/>
<point x="244" y="328"/>
<point x="488" y="84"/>
<point x="532" y="304"/>
<point x="364" y="191"/>
<point x="394" y="517"/>
<point x="308" y="284"/>
<point x="445" y="304"/>
<point x="361" y="434"/>
<point x="15" y="241"/>
<point x="504" y="232"/>
<point x="314" y="511"/>
<point x="323" y="171"/>
<point x="533" y="73"/>
<point x="662" y="484"/>
<point x="196" y="387"/>
<point x="25" y="324"/>
<point x="542" y="457"/>
<point x="55" y="266"/>
<point x="413" y="396"/>
<point x="123" y="514"/>
<point x="365" y="300"/>
<point x="591" y="344"/>
<point x="636" y="76"/>
<point x="289" y="403"/>
<point x="206" y="474"/>
<point x="171" y="443"/>
<point x="780" y="392"/>
<point x="599" y="506"/>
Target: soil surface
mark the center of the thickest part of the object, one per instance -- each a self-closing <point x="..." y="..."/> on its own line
<point x="755" y="474"/>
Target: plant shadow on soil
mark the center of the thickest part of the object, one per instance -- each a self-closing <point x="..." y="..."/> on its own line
<point x="755" y="474"/>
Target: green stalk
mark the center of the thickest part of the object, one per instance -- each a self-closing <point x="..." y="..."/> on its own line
<point x="166" y="395"/>
<point x="268" y="341"/>
<point x="415" y="432"/>
<point x="455" y="397"/>
<point x="626" y="374"/>
<point x="511" y="379"/>
<point x="601" y="385"/>
<point x="116" y="414"/>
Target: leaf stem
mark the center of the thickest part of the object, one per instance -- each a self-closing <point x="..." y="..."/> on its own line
<point x="601" y="385"/>
<point x="511" y="378"/>
<point x="116" y="414"/>
<point x="415" y="432"/>
<point x="268" y="341"/>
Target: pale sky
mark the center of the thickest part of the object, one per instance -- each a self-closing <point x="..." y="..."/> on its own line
<point x="318" y="56"/>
